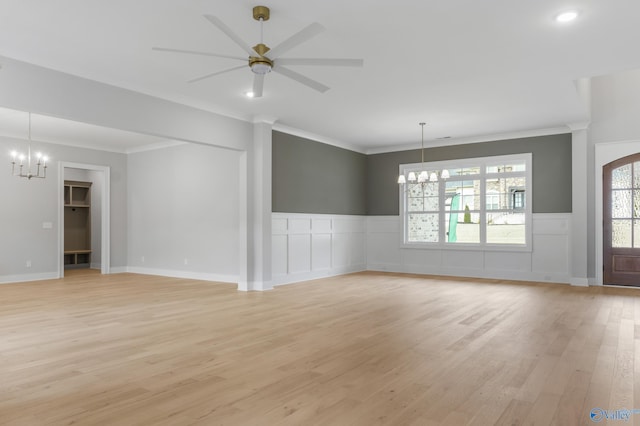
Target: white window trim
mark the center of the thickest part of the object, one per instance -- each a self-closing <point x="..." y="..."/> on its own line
<point x="482" y="162"/>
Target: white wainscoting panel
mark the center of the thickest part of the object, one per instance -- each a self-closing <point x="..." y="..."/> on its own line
<point x="299" y="253"/>
<point x="299" y="226"/>
<point x="321" y="252"/>
<point x="279" y="251"/>
<point x="383" y="242"/>
<point x="279" y="226"/>
<point x="549" y="259"/>
<point x="310" y="246"/>
<point x="507" y="261"/>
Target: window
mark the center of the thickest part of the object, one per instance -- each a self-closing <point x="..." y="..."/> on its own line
<point x="517" y="199"/>
<point x="484" y="202"/>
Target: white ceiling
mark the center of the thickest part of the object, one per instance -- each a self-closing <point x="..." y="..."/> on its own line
<point x="466" y="67"/>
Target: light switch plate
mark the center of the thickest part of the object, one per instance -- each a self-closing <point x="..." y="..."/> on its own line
<point x="47" y="225"/>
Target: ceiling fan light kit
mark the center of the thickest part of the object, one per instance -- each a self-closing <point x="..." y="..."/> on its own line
<point x="262" y="59"/>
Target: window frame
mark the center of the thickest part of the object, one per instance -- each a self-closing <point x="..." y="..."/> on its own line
<point x="483" y="176"/>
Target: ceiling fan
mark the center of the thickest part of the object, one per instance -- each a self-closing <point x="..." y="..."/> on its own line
<point x="262" y="59"/>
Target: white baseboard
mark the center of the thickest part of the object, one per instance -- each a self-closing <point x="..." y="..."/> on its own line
<point x="255" y="285"/>
<point x="8" y="279"/>
<point x="472" y="273"/>
<point x="579" y="282"/>
<point x="182" y="274"/>
<point x="307" y="276"/>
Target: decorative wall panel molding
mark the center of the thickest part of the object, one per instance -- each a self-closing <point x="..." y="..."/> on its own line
<point x="310" y="246"/>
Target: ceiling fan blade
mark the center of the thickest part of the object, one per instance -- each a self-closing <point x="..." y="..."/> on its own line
<point x="216" y="73"/>
<point x="322" y="62"/>
<point x="301" y="79"/>
<point x="258" y="83"/>
<point x="296" y="39"/>
<point x="195" y="52"/>
<point x="231" y="34"/>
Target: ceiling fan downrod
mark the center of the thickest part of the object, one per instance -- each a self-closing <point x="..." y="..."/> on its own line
<point x="261" y="64"/>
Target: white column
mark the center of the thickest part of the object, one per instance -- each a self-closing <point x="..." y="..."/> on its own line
<point x="581" y="191"/>
<point x="579" y="206"/>
<point x="243" y="221"/>
<point x="255" y="259"/>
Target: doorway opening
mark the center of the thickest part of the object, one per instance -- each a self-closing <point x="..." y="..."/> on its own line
<point x="84" y="198"/>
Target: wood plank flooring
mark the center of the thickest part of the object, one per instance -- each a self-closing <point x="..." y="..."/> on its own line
<point x="360" y="349"/>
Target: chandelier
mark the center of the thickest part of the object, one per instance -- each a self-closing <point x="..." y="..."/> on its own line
<point x="22" y="165"/>
<point x="424" y="175"/>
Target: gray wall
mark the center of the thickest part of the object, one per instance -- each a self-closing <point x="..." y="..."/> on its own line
<point x="312" y="177"/>
<point x="551" y="170"/>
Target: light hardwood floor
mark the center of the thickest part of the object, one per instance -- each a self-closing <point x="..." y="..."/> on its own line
<point x="360" y="349"/>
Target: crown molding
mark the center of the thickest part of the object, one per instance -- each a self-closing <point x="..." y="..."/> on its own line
<point x="474" y="139"/>
<point x="580" y="125"/>
<point x="315" y="137"/>
<point x="266" y="119"/>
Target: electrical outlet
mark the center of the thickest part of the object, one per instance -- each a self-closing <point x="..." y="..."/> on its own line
<point x="28" y="264"/>
<point x="186" y="261"/>
<point x="142" y="259"/>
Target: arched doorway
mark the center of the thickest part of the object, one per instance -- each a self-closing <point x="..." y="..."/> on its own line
<point x="621" y="221"/>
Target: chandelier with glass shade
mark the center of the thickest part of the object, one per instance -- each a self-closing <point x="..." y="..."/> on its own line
<point x="24" y="166"/>
<point x="423" y="175"/>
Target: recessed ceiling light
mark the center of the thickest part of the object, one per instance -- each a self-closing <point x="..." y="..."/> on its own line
<point x="249" y="94"/>
<point x="568" y="16"/>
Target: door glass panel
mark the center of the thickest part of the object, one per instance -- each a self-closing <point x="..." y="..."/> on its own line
<point x="621" y="177"/>
<point x="636" y="203"/>
<point x="621" y="204"/>
<point x="621" y="233"/>
<point x="636" y="233"/>
<point x="636" y="174"/>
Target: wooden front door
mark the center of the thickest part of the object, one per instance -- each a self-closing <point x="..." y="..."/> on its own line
<point x="621" y="221"/>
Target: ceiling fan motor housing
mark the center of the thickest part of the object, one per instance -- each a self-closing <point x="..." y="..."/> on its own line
<point x="262" y="64"/>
